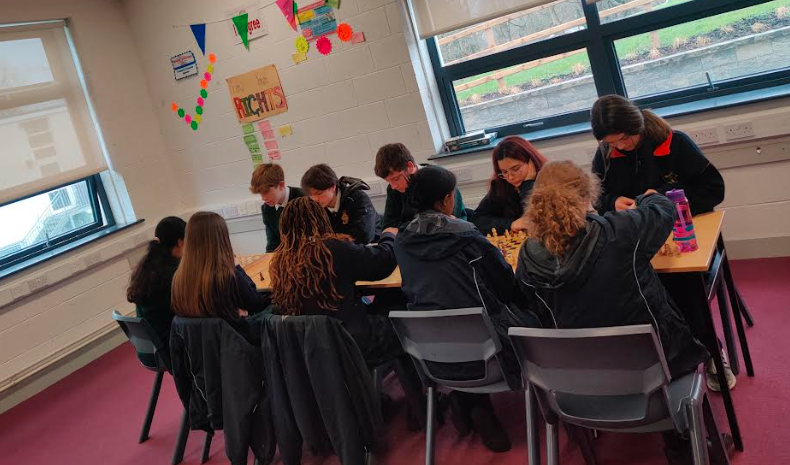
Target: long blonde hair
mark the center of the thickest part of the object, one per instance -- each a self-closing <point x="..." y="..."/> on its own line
<point x="204" y="284"/>
<point x="559" y="203"/>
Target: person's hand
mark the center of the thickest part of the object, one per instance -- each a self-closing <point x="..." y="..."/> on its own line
<point x="243" y="313"/>
<point x="532" y="173"/>
<point x="624" y="203"/>
<point x="669" y="249"/>
<point x="519" y="224"/>
<point x="393" y="231"/>
<point x="651" y="192"/>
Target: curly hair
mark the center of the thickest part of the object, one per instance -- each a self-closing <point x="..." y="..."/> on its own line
<point x="559" y="203"/>
<point x="302" y="266"/>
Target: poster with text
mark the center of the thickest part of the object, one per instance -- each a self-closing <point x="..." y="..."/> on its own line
<point x="256" y="27"/>
<point x="257" y="94"/>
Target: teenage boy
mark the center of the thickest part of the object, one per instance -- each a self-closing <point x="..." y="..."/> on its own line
<point x="395" y="164"/>
<point x="268" y="180"/>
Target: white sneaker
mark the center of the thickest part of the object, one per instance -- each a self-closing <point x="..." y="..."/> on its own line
<point x="710" y="374"/>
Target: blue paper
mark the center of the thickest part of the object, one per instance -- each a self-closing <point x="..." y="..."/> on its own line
<point x="199" y="31"/>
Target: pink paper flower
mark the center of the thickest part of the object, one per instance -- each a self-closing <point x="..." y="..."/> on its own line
<point x="324" y="46"/>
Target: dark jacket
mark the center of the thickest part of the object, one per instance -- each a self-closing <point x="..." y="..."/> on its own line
<point x="446" y="264"/>
<point x="271" y="219"/>
<point x="606" y="279"/>
<point x="219" y="378"/>
<point x="155" y="308"/>
<point x="320" y="388"/>
<point x="244" y="295"/>
<point x="494" y="213"/>
<point x="398" y="213"/>
<point x="355" y="215"/>
<point x="351" y="263"/>
<point x="675" y="163"/>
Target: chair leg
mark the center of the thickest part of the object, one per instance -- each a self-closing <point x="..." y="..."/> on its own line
<point x="430" y="427"/>
<point x="149" y="414"/>
<point x="698" y="436"/>
<point x="552" y="444"/>
<point x="181" y="442"/>
<point x="533" y="435"/>
<point x="726" y="325"/>
<point x="719" y="453"/>
<point x="206" y="447"/>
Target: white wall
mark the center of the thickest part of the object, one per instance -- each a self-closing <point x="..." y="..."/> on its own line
<point x="71" y="310"/>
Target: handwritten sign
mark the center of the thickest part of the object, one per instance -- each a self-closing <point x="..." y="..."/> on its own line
<point x="257" y="94"/>
<point x="256" y="27"/>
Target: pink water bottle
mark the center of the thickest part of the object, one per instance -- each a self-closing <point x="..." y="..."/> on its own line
<point x="683" y="232"/>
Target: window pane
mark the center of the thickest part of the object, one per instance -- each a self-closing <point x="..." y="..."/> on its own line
<point x="23" y="63"/>
<point x="42" y="141"/>
<point x="730" y="45"/>
<point x="612" y="10"/>
<point x="525" y="27"/>
<point x="37" y="219"/>
<point x="533" y="90"/>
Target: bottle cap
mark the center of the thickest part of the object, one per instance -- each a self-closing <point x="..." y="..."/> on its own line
<point x="676" y="195"/>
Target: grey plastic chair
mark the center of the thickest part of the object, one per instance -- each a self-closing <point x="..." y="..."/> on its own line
<point x="146" y="342"/>
<point x="612" y="379"/>
<point x="454" y="336"/>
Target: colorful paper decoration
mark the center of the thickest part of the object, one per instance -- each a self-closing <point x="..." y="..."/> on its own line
<point x="298" y="58"/>
<point x="344" y="32"/>
<point x="199" y="31"/>
<point x="288" y="7"/>
<point x="333" y="3"/>
<point x="324" y="46"/>
<point x="301" y="45"/>
<point x="240" y="22"/>
<point x="358" y="37"/>
<point x="195" y="121"/>
<point x="286" y="130"/>
<point x="257" y="94"/>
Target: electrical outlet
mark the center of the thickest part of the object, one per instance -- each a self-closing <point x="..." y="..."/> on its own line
<point x="462" y="174"/>
<point x="375" y="188"/>
<point x="230" y="211"/>
<point x="705" y="136"/>
<point x="37" y="283"/>
<point x="92" y="259"/>
<point x="20" y="291"/>
<point x="739" y="131"/>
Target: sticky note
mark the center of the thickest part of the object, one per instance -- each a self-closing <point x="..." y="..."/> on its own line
<point x="286" y="131"/>
<point x="357" y="37"/>
<point x="254" y="147"/>
<point x="264" y="125"/>
<point x="274" y="154"/>
<point x="305" y="16"/>
<point x="298" y="57"/>
<point x="250" y="139"/>
<point x="271" y="144"/>
<point x="247" y="128"/>
<point x="268" y="134"/>
<point x="257" y="158"/>
<point x="333" y="3"/>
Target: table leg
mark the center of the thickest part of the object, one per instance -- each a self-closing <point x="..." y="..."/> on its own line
<point x="735" y="295"/>
<point x="739" y="310"/>
<point x="708" y="337"/>
<point x="729" y="337"/>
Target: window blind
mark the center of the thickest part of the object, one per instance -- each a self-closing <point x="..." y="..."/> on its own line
<point x="47" y="135"/>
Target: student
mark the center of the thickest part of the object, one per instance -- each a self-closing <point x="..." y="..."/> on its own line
<point x="149" y="288"/>
<point x="446" y="263"/>
<point x="348" y="206"/>
<point x="639" y="151"/>
<point x="315" y="270"/>
<point x="208" y="285"/>
<point x="395" y="164"/>
<point x="582" y="270"/>
<point x="516" y="164"/>
<point x="268" y="180"/>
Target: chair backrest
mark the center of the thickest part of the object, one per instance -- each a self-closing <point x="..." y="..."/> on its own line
<point x="450" y="336"/>
<point x="145" y="341"/>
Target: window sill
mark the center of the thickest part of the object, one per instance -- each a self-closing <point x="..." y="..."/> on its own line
<point x="680" y="109"/>
<point x="68" y="247"/>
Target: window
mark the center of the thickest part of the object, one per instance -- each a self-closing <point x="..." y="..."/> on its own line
<point x="545" y="66"/>
<point x="50" y="190"/>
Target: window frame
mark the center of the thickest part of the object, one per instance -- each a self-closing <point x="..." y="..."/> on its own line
<point x="102" y="219"/>
<point x="598" y="39"/>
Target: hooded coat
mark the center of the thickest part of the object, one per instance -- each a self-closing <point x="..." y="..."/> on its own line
<point x="606" y="279"/>
<point x="355" y="214"/>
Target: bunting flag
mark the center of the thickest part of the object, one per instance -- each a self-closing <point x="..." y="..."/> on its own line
<point x="288" y="7"/>
<point x="199" y="31"/>
<point x="240" y="22"/>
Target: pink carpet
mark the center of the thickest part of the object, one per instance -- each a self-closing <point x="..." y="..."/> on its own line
<point x="93" y="417"/>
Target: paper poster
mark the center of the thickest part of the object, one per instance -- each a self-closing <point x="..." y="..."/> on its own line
<point x="184" y="65"/>
<point x="274" y="155"/>
<point x="257" y="94"/>
<point x="256" y="27"/>
<point x="271" y="145"/>
<point x="322" y="21"/>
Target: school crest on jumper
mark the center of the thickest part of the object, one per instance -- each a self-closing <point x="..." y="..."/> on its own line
<point x="671" y="178"/>
<point x="344" y="217"/>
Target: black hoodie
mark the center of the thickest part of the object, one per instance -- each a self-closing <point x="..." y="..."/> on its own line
<point x="606" y="279"/>
<point x="355" y="214"/>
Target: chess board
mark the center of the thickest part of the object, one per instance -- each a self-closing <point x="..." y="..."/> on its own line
<point x="509" y="244"/>
<point x="244" y="260"/>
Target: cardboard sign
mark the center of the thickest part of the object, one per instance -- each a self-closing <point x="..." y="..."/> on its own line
<point x="184" y="65"/>
<point x="256" y="27"/>
<point x="257" y="94"/>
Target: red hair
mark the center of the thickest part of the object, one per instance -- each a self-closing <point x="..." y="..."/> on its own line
<point x="516" y="148"/>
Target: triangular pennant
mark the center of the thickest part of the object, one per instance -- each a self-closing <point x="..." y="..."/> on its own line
<point x="240" y="22"/>
<point x="288" y="7"/>
<point x="199" y="31"/>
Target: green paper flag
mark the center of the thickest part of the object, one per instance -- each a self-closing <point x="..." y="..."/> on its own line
<point x="240" y="22"/>
<point x="333" y="3"/>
